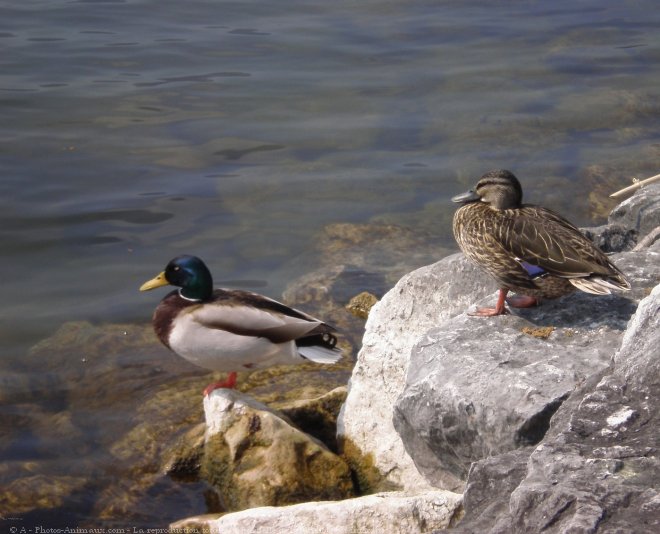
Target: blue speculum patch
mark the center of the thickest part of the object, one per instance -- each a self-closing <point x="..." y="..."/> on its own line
<point x="532" y="270"/>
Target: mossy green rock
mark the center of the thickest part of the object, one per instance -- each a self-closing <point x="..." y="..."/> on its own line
<point x="254" y="457"/>
<point x="318" y="416"/>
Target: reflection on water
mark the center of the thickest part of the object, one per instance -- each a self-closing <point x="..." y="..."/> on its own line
<point x="238" y="131"/>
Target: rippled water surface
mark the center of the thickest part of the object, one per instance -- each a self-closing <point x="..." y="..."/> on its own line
<point x="133" y="131"/>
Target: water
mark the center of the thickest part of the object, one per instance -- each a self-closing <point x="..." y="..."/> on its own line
<point x="133" y="131"/>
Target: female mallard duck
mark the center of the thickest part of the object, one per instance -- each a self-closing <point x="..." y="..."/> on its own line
<point x="230" y="330"/>
<point x="526" y="248"/>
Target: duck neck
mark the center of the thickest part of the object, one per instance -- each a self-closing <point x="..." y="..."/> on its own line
<point x="200" y="288"/>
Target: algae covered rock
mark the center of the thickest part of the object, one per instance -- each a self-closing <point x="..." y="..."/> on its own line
<point x="318" y="416"/>
<point x="39" y="491"/>
<point x="360" y="305"/>
<point x="254" y="457"/>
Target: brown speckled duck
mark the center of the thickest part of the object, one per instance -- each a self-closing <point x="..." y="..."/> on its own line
<point x="527" y="249"/>
<point x="232" y="330"/>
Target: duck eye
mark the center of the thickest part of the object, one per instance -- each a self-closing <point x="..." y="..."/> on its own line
<point x="177" y="268"/>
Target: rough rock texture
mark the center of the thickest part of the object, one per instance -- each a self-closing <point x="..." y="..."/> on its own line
<point x="612" y="238"/>
<point x="418" y="302"/>
<point x="628" y="223"/>
<point x="482" y="386"/>
<point x="391" y="513"/>
<point x="597" y="469"/>
<point x="640" y="212"/>
<point x="254" y="457"/>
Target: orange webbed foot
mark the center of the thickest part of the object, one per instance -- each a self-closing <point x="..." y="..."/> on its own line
<point x="499" y="309"/>
<point x="229" y="383"/>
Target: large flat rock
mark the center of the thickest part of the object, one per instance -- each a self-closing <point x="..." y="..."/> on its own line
<point x="391" y="513"/>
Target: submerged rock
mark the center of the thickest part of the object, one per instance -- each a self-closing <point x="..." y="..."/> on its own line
<point x="349" y="259"/>
<point x="391" y="513"/>
<point x="360" y="305"/>
<point x="35" y="492"/>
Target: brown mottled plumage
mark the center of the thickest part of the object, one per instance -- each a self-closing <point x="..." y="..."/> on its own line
<point x="527" y="249"/>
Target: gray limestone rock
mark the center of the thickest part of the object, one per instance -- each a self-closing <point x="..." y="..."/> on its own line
<point x="597" y="468"/>
<point x="420" y="300"/>
<point x="612" y="238"/>
<point x="478" y="387"/>
<point x="640" y="212"/>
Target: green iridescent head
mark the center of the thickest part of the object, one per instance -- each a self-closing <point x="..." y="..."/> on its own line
<point x="187" y="272"/>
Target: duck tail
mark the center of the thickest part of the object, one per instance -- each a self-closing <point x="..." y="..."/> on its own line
<point x="318" y="354"/>
<point x="600" y="285"/>
<point x="319" y="348"/>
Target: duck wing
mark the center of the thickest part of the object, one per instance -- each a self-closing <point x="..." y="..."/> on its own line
<point x="250" y="314"/>
<point x="544" y="242"/>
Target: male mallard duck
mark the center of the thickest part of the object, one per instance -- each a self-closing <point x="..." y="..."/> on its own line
<point x="230" y="330"/>
<point x="526" y="248"/>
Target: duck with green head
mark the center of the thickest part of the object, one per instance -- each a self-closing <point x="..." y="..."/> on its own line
<point x="528" y="249"/>
<point x="232" y="330"/>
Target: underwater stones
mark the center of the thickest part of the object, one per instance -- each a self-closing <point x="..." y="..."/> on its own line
<point x="386" y="248"/>
<point x="254" y="457"/>
<point x="391" y="513"/>
<point x="351" y="258"/>
<point x="360" y="305"/>
<point x="35" y="492"/>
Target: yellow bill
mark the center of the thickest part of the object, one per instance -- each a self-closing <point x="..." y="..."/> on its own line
<point x="158" y="281"/>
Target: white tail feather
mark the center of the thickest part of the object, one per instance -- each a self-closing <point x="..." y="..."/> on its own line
<point x="596" y="286"/>
<point x="319" y="354"/>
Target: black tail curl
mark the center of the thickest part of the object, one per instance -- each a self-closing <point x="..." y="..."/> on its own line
<point x="326" y="340"/>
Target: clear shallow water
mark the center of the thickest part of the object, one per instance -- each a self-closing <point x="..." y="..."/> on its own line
<point x="131" y="132"/>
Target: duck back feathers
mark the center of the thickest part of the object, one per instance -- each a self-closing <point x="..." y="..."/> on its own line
<point x="527" y="248"/>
